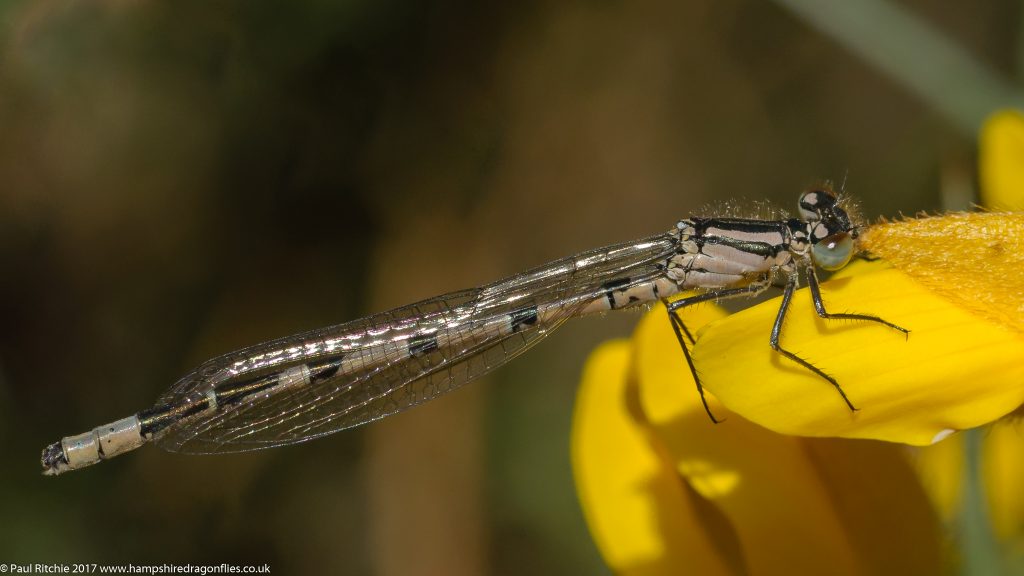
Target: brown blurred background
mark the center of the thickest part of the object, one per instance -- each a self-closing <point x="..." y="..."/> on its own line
<point x="180" y="179"/>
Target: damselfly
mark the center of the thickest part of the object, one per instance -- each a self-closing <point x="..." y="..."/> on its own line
<point x="319" y="382"/>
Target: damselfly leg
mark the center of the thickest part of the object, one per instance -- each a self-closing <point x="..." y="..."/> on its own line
<point x="680" y="328"/>
<point x="780" y="318"/>
<point x="774" y="341"/>
<point x="819" y="307"/>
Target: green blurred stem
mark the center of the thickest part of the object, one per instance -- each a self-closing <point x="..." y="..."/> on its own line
<point x="915" y="55"/>
<point x="980" y="552"/>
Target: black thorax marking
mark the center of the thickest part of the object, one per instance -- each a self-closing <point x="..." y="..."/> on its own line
<point x="765" y="239"/>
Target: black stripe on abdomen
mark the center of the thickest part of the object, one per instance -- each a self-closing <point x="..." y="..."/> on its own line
<point x="232" y="392"/>
<point x="420" y="345"/>
<point x="610" y="288"/>
<point x="155" y="419"/>
<point x="522" y="316"/>
<point x="324" y="370"/>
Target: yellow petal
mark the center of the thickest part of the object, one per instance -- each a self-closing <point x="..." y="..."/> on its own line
<point x="1001" y="160"/>
<point x="974" y="259"/>
<point x="643" y="519"/>
<point x="956" y="369"/>
<point x="858" y="502"/>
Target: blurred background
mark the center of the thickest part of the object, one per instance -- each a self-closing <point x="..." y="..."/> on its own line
<point x="181" y="179"/>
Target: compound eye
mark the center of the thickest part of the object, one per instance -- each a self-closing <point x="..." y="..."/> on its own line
<point x="833" y="252"/>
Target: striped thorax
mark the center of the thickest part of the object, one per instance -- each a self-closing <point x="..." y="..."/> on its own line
<point x="727" y="252"/>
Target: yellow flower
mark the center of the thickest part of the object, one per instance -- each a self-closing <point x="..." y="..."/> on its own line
<point x="664" y="490"/>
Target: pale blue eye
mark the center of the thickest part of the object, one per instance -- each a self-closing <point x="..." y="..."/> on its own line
<point x="833" y="252"/>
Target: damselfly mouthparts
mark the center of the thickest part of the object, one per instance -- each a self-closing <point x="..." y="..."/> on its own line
<point x="316" y="383"/>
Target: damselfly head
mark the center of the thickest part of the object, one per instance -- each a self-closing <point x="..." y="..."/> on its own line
<point x="823" y="205"/>
<point x="829" y="228"/>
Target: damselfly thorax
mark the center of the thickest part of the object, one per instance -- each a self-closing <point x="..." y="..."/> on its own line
<point x="319" y="382"/>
